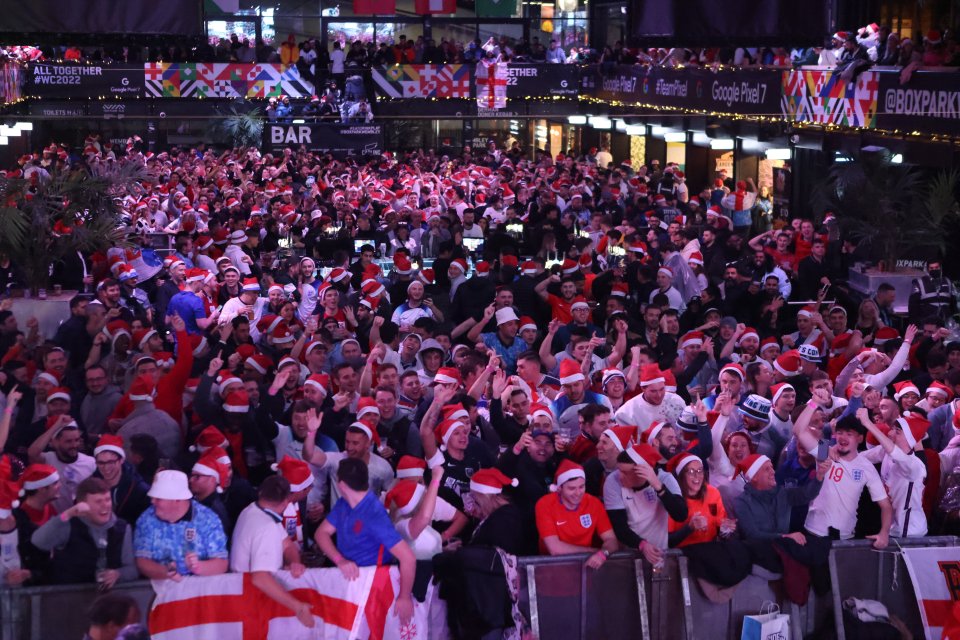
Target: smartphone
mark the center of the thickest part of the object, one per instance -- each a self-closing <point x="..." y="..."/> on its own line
<point x="823" y="450"/>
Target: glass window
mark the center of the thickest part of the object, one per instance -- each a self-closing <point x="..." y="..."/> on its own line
<point x="346" y="33"/>
<point x="512" y="33"/>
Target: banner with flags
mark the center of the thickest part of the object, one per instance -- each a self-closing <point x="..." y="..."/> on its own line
<point x="374" y="7"/>
<point x="224" y="80"/>
<point x="496" y="8"/>
<point x="492" y="84"/>
<point x="935" y="573"/>
<point x="422" y="81"/>
<point x="427" y="7"/>
<point x="230" y="606"/>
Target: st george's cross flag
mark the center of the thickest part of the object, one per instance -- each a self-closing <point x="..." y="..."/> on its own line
<point x="426" y="7"/>
<point x="230" y="607"/>
<point x="492" y="84"/>
<point x="935" y="573"/>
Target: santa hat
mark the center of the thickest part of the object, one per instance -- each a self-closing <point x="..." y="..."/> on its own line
<point x="885" y="334"/>
<point x="259" y="363"/>
<point x="750" y="465"/>
<point x="768" y="343"/>
<point x="788" y="364"/>
<point x="651" y="374"/>
<point x="281" y="334"/>
<point x="569" y="267"/>
<point x="59" y="393"/>
<point x="940" y="389"/>
<point x="491" y="481"/>
<point x="411" y="467"/>
<point x="692" y="339"/>
<point x="164" y="359"/>
<point x="526" y="322"/>
<point x="237" y="402"/>
<point x="210" y="466"/>
<point x="454" y="412"/>
<point x="676" y="464"/>
<point x="696" y="258"/>
<point x="38" y="476"/>
<point x="568" y="470"/>
<point x="287" y="361"/>
<point x="142" y="389"/>
<point x="778" y="389"/>
<point x="653" y="431"/>
<point x="111" y="443"/>
<point x="426" y="276"/>
<point x="539" y="410"/>
<point x="225" y="379"/>
<point x="461" y="264"/>
<point x="444" y="430"/>
<point x="914" y="427"/>
<point x="208" y="439"/>
<point x="620" y="437"/>
<point x="401" y="265"/>
<point x="667" y="271"/>
<point x="749" y="332"/>
<point x="447" y="375"/>
<point x="296" y="472"/>
<point x="268" y="323"/>
<point x="482" y="268"/>
<point x="644" y="454"/>
<point x="807" y="311"/>
<point x="570" y="372"/>
<point x="840" y="343"/>
<point x="903" y="388"/>
<point x="251" y="285"/>
<point x="405" y="496"/>
<point x="734" y="368"/>
<point x="51" y="377"/>
<point x="320" y="381"/>
<point x="528" y="268"/>
<point x="8" y="496"/>
<point x="367" y="405"/>
<point x="196" y="275"/>
<point x="579" y="303"/>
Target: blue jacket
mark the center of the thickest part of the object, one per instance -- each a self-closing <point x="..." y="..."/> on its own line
<point x="765" y="515"/>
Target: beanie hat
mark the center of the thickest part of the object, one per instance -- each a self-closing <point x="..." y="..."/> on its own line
<point x="296" y="472"/>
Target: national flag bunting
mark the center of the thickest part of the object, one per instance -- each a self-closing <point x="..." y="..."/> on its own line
<point x="492" y="85"/>
<point x="496" y="8"/>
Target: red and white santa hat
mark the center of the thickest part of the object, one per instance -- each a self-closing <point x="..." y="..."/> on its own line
<point x="447" y="375"/>
<point x="914" y="427"/>
<point x="903" y="388"/>
<point x="237" y="402"/>
<point x="38" y="476"/>
<point x="366" y="406"/>
<point x="621" y="437"/>
<point x="567" y="471"/>
<point x="676" y="464"/>
<point x="142" y="389"/>
<point x="734" y="368"/>
<point x="259" y="362"/>
<point x="528" y="268"/>
<point x="9" y="492"/>
<point x="111" y="443"/>
<point x="569" y="267"/>
<point x="226" y="379"/>
<point x="940" y="389"/>
<point x="454" y="412"/>
<point x="210" y="466"/>
<point x="209" y="438"/>
<point x="749" y="332"/>
<point x="807" y="311"/>
<point x="750" y="465"/>
<point x="296" y="472"/>
<point x="405" y="496"/>
<point x="50" y="377"/>
<point x="491" y="481"/>
<point x="788" y="364"/>
<point x="540" y="411"/>
<point x="251" y="285"/>
<point x="59" y="393"/>
<point x="526" y="322"/>
<point x="644" y="454"/>
<point x="320" y="381"/>
<point x="579" y="303"/>
<point x="651" y="374"/>
<point x="696" y="258"/>
<point x="570" y="372"/>
<point x="444" y="430"/>
<point x="653" y="431"/>
<point x="411" y="467"/>
<point x="778" y="389"/>
<point x="692" y="339"/>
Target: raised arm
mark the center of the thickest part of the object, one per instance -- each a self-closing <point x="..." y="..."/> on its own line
<point x="546" y="352"/>
<point x="311" y="452"/>
<point x="424" y="515"/>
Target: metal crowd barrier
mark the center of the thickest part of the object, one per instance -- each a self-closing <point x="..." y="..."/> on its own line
<point x="38" y="613"/>
<point x="563" y="599"/>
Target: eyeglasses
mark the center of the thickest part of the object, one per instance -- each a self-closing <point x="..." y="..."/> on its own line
<point x="693" y="472"/>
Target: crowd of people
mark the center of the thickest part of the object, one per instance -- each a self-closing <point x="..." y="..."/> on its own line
<point x="421" y="359"/>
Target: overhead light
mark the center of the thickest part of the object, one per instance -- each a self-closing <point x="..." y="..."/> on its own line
<point x="721" y="144"/>
<point x="299" y="121"/>
<point x="635" y="130"/>
<point x="778" y="154"/>
<point x="6" y="130"/>
<point x="4" y="140"/>
<point x="600" y="122"/>
<point x="577" y="119"/>
<point x="619" y="125"/>
<point x="675" y="136"/>
<point x="25" y="126"/>
<point x="658" y="131"/>
<point x="897" y="158"/>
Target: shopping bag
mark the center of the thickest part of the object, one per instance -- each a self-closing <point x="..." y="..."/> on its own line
<point x="769" y="624"/>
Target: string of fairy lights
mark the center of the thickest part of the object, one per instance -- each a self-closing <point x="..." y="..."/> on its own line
<point x="613" y="107"/>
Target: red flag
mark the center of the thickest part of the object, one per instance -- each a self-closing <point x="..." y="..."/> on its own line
<point x="375" y="7"/>
<point x="424" y="7"/>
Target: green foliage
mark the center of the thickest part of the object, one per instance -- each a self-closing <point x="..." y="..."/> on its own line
<point x="72" y="211"/>
<point x="889" y="208"/>
<point x="239" y="128"/>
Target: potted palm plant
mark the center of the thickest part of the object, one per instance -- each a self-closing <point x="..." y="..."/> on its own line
<point x="73" y="210"/>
